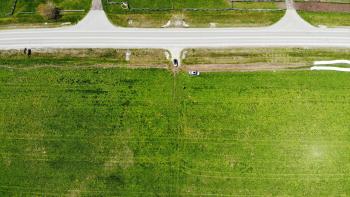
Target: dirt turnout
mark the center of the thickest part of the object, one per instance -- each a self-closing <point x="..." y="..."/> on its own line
<point x="322" y="7"/>
<point x="241" y="67"/>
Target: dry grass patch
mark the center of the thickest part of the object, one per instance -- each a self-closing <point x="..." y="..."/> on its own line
<point x="245" y="59"/>
<point x="85" y="58"/>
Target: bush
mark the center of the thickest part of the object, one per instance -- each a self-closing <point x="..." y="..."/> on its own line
<point x="49" y="11"/>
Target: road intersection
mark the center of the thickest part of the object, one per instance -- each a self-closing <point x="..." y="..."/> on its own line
<point x="95" y="31"/>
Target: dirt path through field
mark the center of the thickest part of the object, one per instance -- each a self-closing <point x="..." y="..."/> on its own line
<point x="290" y="4"/>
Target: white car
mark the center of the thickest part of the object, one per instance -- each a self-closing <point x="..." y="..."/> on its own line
<point x="194" y="73"/>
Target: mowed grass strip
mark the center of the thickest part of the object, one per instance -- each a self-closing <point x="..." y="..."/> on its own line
<point x="262" y="57"/>
<point x="137" y="132"/>
<point x="200" y="4"/>
<point x="150" y="4"/>
<point x="230" y="18"/>
<point x="179" y="4"/>
<point x="203" y="19"/>
<point x="255" y="5"/>
<point x="84" y="57"/>
<point x="198" y="19"/>
<point x="144" y="20"/>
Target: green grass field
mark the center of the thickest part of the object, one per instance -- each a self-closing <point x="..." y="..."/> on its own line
<point x="215" y="4"/>
<point x="22" y="18"/>
<point x="332" y="13"/>
<point x="30" y="6"/>
<point x="151" y="18"/>
<point x="268" y="134"/>
<point x="90" y="131"/>
<point x="329" y="19"/>
<point x="5" y="7"/>
<point x="200" y="19"/>
<point x="117" y="15"/>
<point x="179" y="4"/>
<point x="327" y="1"/>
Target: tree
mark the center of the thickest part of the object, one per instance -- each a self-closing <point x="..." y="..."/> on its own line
<point x="49" y="11"/>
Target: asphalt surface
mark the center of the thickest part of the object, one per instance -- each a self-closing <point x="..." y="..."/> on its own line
<point x="96" y="5"/>
<point x="95" y="31"/>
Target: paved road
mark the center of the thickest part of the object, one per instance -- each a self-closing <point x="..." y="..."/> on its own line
<point x="96" y="5"/>
<point x="95" y="31"/>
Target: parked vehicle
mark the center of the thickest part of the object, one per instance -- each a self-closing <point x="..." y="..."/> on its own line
<point x="194" y="73"/>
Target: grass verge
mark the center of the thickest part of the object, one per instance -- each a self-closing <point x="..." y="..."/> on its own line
<point x="202" y="18"/>
<point x="199" y="19"/>
<point x="258" y="58"/>
<point x="84" y="57"/>
<point x="233" y="18"/>
<point x="329" y="19"/>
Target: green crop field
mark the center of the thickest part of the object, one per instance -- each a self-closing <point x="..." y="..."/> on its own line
<point x="268" y="134"/>
<point x="93" y="131"/>
<point x="26" y="12"/>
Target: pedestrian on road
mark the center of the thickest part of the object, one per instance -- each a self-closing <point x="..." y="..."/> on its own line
<point x="176" y="62"/>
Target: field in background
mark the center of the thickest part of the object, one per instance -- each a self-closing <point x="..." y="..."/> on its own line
<point x="200" y="4"/>
<point x="30" y="6"/>
<point x="329" y="19"/>
<point x="326" y="1"/>
<point x="158" y="13"/>
<point x="5" y="7"/>
<point x="326" y="13"/>
<point x="178" y="4"/>
<point x="200" y="19"/>
<point x="137" y="132"/>
<point x="25" y="13"/>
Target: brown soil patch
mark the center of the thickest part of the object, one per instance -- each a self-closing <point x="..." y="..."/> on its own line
<point x="240" y="67"/>
<point x="281" y="5"/>
<point x="322" y="7"/>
